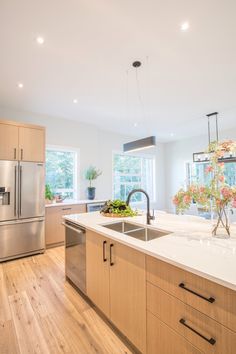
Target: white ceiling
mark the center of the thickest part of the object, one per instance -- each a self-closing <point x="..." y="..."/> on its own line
<point x="88" y="50"/>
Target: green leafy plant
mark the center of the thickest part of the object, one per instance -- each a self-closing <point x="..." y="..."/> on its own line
<point x="91" y="174"/>
<point x="48" y="192"/>
<point x="118" y="207"/>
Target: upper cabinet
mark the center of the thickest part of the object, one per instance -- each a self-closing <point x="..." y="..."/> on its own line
<point x="8" y="142"/>
<point x="22" y="142"/>
<point x="31" y="144"/>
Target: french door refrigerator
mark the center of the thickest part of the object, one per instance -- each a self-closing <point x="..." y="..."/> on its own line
<point x="22" y="210"/>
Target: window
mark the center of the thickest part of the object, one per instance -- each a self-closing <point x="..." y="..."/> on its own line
<point x="196" y="173"/>
<point x="61" y="171"/>
<point x="133" y="171"/>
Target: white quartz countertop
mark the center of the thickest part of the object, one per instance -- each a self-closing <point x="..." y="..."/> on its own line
<point x="190" y="246"/>
<point x="75" y="202"/>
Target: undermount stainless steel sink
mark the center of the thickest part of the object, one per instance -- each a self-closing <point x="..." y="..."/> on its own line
<point x="136" y="231"/>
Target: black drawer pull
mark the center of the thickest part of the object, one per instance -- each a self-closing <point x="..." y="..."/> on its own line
<point x="210" y="299"/>
<point x="104" y="251"/>
<point x="66" y="208"/>
<point x="212" y="341"/>
<point x="111" y="246"/>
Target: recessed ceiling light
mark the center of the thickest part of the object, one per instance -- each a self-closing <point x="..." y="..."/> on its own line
<point x="184" y="26"/>
<point x="40" y="40"/>
<point x="75" y="100"/>
<point x="135" y="125"/>
<point x="172" y="134"/>
<point x="20" y="85"/>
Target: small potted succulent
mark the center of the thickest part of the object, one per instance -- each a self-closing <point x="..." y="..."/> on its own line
<point x="49" y="196"/>
<point x="91" y="174"/>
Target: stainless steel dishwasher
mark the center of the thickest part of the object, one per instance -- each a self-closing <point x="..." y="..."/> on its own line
<point x="75" y="254"/>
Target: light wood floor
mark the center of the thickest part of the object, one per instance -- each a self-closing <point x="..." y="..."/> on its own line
<point x="42" y="313"/>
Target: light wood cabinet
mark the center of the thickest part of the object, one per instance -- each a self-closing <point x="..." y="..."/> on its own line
<point x="98" y="271"/>
<point x="200" y="330"/>
<point x="31" y="144"/>
<point x="206" y="296"/>
<point x="54" y="230"/>
<point x="116" y="283"/>
<point x="8" y="142"/>
<point x="200" y="311"/>
<point x="24" y="142"/>
<point x="161" y="339"/>
<point x="128" y="293"/>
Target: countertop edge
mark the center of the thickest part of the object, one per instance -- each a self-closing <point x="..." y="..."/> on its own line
<point x="75" y="202"/>
<point x="195" y="271"/>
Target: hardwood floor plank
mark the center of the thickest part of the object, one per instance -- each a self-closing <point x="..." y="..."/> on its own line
<point x="29" y="334"/>
<point x="45" y="314"/>
<point x="8" y="340"/>
<point x="5" y="312"/>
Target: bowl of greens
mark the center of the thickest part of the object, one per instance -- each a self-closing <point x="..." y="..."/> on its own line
<point x="117" y="208"/>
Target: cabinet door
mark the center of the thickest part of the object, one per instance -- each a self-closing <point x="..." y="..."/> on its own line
<point x="128" y="293"/>
<point x="78" y="209"/>
<point x="97" y="269"/>
<point x="54" y="230"/>
<point x="8" y="142"/>
<point x="31" y="144"/>
<point x="163" y="340"/>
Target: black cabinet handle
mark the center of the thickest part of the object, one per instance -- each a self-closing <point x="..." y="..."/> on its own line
<point x="212" y="341"/>
<point x="210" y="299"/>
<point x="104" y="251"/>
<point x="66" y="208"/>
<point x="111" y="246"/>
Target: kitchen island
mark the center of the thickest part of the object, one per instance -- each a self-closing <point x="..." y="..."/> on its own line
<point x="173" y="294"/>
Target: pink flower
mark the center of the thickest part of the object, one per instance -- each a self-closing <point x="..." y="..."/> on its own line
<point x="202" y="189"/>
<point x="221" y="164"/>
<point x="226" y="192"/>
<point x="192" y="189"/>
<point x="187" y="199"/>
<point x="234" y="203"/>
<point x="175" y="200"/>
<point x="221" y="179"/>
<point x="209" y="169"/>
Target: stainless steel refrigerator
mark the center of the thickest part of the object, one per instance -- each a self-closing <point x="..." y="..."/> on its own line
<point x="22" y="210"/>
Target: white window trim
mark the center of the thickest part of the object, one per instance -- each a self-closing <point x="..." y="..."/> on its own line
<point x="138" y="154"/>
<point x="76" y="188"/>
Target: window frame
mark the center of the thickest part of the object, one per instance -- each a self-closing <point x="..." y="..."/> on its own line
<point x="188" y="179"/>
<point x="141" y="155"/>
<point x="76" y="188"/>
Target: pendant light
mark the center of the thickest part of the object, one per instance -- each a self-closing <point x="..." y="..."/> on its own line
<point x="140" y="144"/>
<point x="205" y="157"/>
<point x="144" y="143"/>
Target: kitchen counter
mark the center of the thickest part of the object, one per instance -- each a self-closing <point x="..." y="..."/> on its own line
<point x="190" y="246"/>
<point x="75" y="202"/>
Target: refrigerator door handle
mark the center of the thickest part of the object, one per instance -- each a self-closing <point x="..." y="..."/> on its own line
<point x="19" y="222"/>
<point x="15" y="190"/>
<point x="20" y="191"/>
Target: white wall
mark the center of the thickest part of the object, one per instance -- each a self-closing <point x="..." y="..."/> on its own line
<point x="95" y="146"/>
<point x="177" y="154"/>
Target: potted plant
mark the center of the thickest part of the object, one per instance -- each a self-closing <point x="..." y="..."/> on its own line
<point x="91" y="174"/>
<point x="49" y="196"/>
<point x="217" y="196"/>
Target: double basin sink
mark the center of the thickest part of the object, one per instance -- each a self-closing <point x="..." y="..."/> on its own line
<point x="142" y="233"/>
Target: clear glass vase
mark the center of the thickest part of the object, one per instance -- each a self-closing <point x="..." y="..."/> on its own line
<point x="221" y="223"/>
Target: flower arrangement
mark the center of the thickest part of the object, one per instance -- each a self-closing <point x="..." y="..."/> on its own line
<point x="217" y="196"/>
